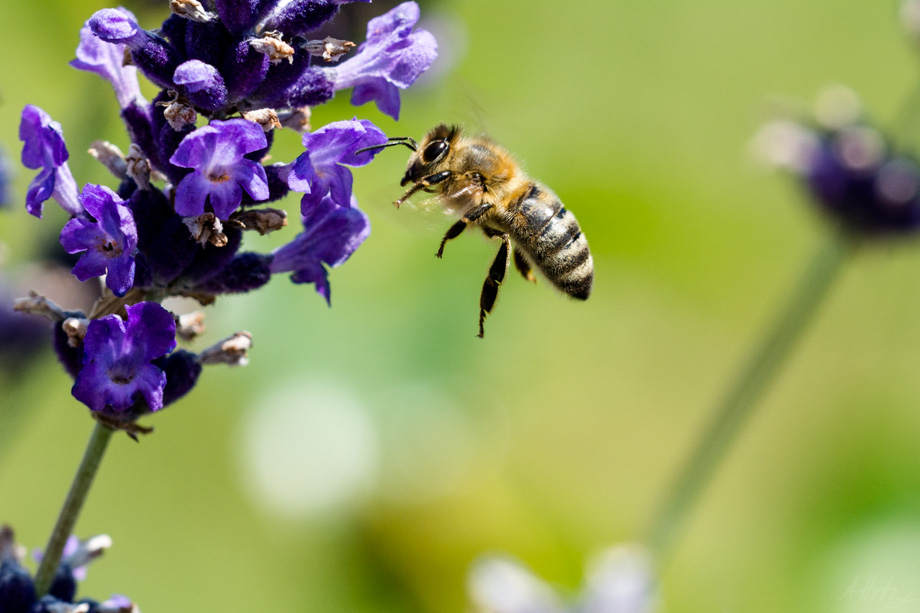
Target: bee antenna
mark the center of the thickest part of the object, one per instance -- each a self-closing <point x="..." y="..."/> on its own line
<point x="408" y="141"/>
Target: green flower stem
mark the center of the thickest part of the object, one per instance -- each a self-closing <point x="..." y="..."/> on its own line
<point x="95" y="449"/>
<point x="738" y="404"/>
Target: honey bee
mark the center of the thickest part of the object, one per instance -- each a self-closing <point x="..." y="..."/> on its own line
<point x="484" y="183"/>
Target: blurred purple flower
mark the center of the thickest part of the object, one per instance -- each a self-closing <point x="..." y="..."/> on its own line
<point x="221" y="172"/>
<point x="331" y="234"/>
<point x="44" y="148"/>
<point x="117" y="358"/>
<point x="108" y="239"/>
<point x="6" y="172"/>
<point x="320" y="172"/>
<point x="392" y="58"/>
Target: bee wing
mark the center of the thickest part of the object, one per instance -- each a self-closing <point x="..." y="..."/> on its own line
<point x="423" y="214"/>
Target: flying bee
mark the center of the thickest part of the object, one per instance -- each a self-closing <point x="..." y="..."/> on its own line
<point x="482" y="181"/>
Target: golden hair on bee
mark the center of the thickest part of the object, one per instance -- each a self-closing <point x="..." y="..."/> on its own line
<point x="485" y="184"/>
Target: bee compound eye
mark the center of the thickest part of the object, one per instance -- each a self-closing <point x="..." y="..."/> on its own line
<point x="433" y="151"/>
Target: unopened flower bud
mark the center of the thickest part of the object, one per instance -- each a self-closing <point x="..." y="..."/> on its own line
<point x="296" y="119"/>
<point x="329" y="48"/>
<point x="191" y="9"/>
<point x="267" y="118"/>
<point x="262" y="221"/>
<point x="138" y="167"/>
<point x="233" y="350"/>
<point x="276" y="49"/>
<point x="36" y="304"/>
<point x="109" y="156"/>
<point x="207" y="228"/>
<point x="75" y="329"/>
<point x="190" y="325"/>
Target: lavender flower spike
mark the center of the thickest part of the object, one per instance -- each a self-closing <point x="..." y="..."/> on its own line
<point x="108" y="240"/>
<point x="44" y="148"/>
<point x="392" y="58"/>
<point x="320" y="170"/>
<point x="108" y="61"/>
<point x="331" y="234"/>
<point x="117" y="359"/>
<point x="221" y="172"/>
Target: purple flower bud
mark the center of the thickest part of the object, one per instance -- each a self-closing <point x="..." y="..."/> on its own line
<point x="392" y="58"/>
<point x="203" y="83"/>
<point x="44" y="148"/>
<point x="240" y="15"/>
<point x="245" y="68"/>
<point x="302" y="16"/>
<point x="221" y="172"/>
<point x="17" y="591"/>
<point x="156" y="58"/>
<point x="244" y="273"/>
<point x="108" y="239"/>
<point x="182" y="371"/>
<point x="320" y="172"/>
<point x="331" y="234"/>
<point x="108" y="61"/>
<point x="117" y="359"/>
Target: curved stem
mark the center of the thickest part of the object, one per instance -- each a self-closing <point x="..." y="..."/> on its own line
<point x="95" y="449"/>
<point x="743" y="394"/>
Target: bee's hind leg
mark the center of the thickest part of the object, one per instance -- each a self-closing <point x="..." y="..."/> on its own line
<point x="523" y="266"/>
<point x="494" y="280"/>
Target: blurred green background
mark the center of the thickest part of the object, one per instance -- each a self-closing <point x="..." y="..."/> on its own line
<point x="371" y="451"/>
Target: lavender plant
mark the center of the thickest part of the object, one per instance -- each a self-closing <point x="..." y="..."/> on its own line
<point x="194" y="179"/>
<point x="867" y="190"/>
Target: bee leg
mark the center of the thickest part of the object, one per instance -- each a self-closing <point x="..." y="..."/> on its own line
<point x="523" y="266"/>
<point x="461" y="225"/>
<point x="425" y="183"/>
<point x="453" y="232"/>
<point x="494" y="280"/>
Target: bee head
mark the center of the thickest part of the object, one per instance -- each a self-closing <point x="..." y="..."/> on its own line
<point x="432" y="152"/>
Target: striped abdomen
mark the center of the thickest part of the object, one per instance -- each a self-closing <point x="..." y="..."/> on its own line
<point x="549" y="235"/>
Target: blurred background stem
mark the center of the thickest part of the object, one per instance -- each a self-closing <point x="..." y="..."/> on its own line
<point x="86" y="473"/>
<point x="743" y="393"/>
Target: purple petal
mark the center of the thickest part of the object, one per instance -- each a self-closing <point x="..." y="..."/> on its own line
<point x="301" y="175"/>
<point x="382" y="92"/>
<point x="151" y="381"/>
<point x="216" y="152"/>
<point x="251" y="177"/>
<point x="78" y="235"/>
<point x="90" y="265"/>
<point x="392" y="54"/>
<point x="108" y="242"/>
<point x="107" y="60"/>
<point x="340" y="182"/>
<point x="331" y="234"/>
<point x="120" y="277"/>
<point x="191" y="194"/>
<point x="152" y="327"/>
<point x="43" y="139"/>
<point x="225" y="198"/>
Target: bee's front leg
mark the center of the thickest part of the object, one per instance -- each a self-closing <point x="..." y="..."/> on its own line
<point x="494" y="280"/>
<point x="455" y="230"/>
<point x="424" y="183"/>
